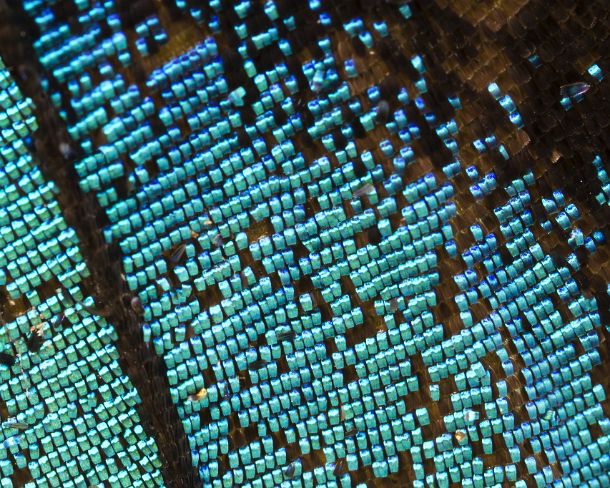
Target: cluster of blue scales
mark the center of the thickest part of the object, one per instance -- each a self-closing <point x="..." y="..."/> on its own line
<point x="294" y="258"/>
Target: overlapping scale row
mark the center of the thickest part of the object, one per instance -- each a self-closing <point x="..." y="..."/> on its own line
<point x="68" y="409"/>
